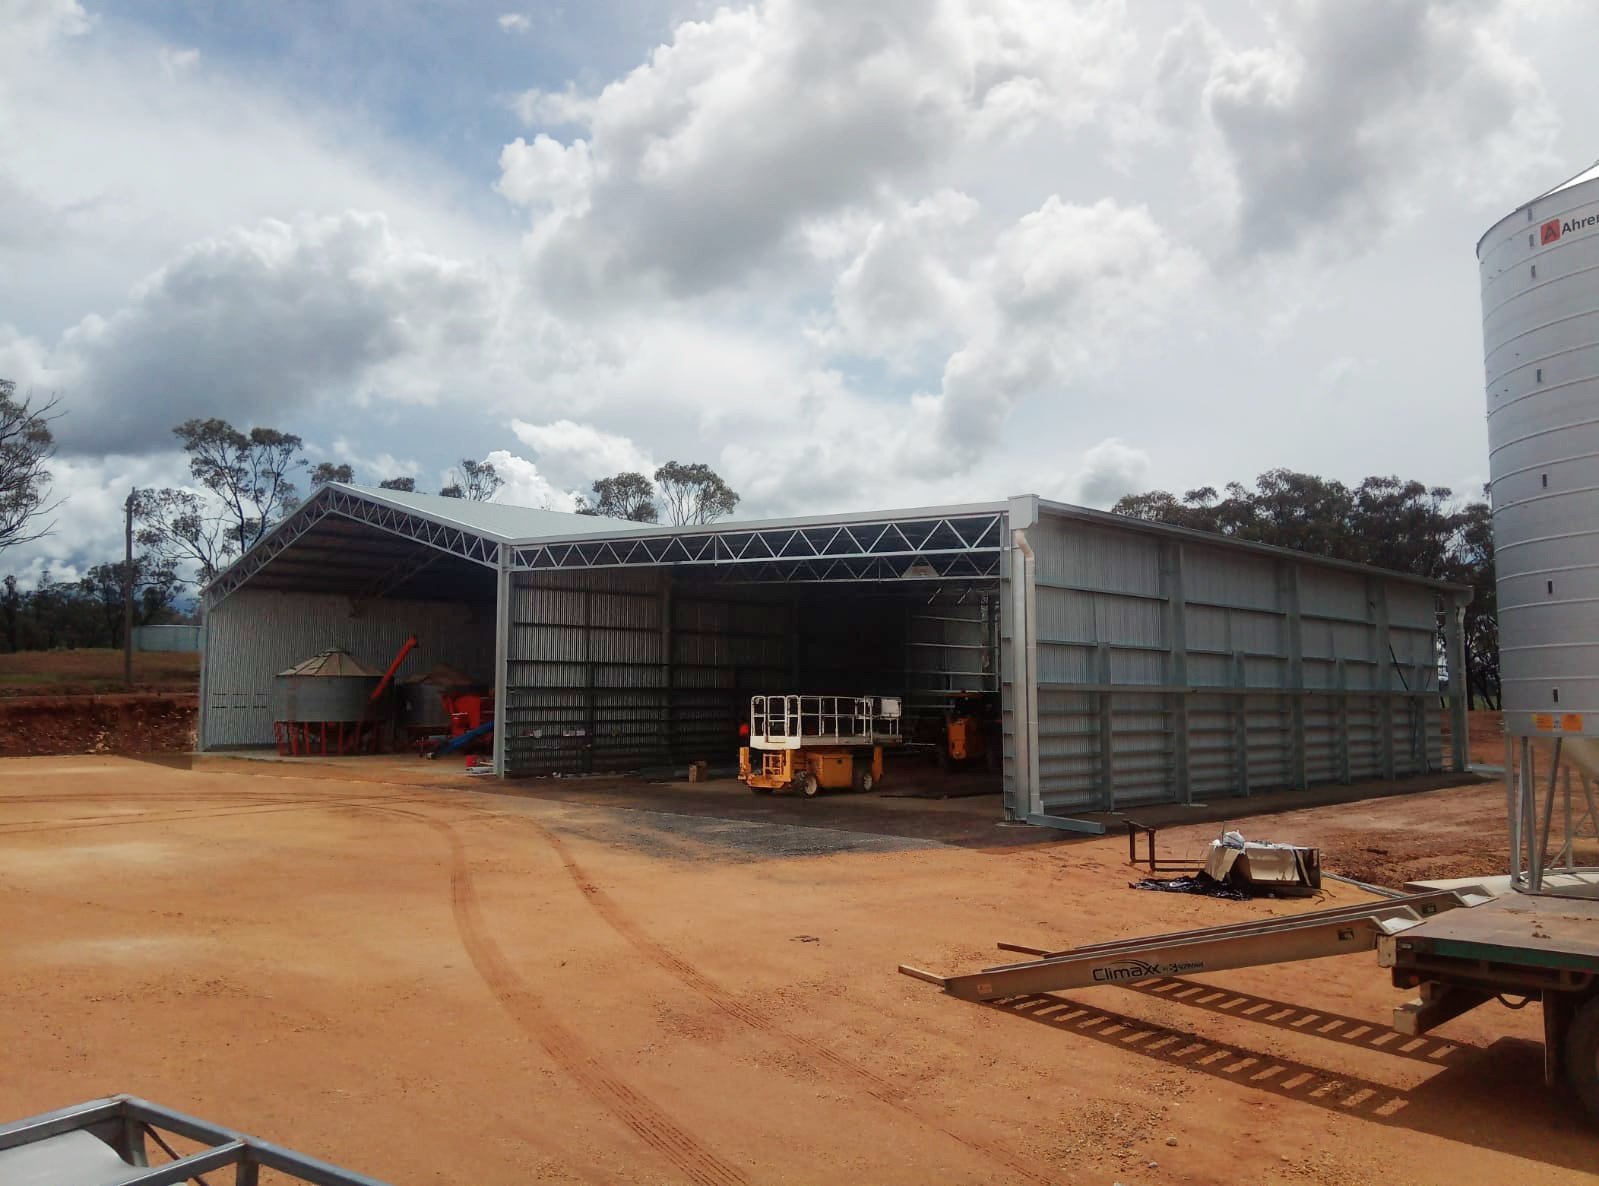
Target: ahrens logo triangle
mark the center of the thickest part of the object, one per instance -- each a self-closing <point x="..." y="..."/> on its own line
<point x="1549" y="232"/>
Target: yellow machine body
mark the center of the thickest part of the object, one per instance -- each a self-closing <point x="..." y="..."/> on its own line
<point x="966" y="739"/>
<point x="832" y="767"/>
<point x="971" y="731"/>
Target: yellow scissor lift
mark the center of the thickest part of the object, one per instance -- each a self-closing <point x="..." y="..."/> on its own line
<point x="806" y="743"/>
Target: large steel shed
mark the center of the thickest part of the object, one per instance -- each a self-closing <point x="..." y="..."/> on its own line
<point x="1136" y="663"/>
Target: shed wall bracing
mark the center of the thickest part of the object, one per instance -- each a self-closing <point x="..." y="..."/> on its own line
<point x="254" y="634"/>
<point x="1171" y="671"/>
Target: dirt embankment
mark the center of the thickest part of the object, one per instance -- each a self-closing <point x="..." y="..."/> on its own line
<point x="132" y="723"/>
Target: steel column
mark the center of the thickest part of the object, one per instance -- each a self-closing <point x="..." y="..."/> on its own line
<point x="1107" y="736"/>
<point x="1288" y="589"/>
<point x="502" y="655"/>
<point x="1341" y="722"/>
<point x="1241" y="724"/>
<point x="202" y="715"/>
<point x="1022" y="515"/>
<point x="1377" y="598"/>
<point x="1177" y="664"/>
<point x="1459" y="687"/>
<point x="667" y="678"/>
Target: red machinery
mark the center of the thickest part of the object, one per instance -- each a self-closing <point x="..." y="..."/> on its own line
<point x="468" y="710"/>
<point x="388" y="676"/>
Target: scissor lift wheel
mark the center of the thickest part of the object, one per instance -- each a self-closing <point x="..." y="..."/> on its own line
<point x="806" y="784"/>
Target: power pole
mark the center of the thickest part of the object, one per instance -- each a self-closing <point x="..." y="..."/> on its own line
<point x="127" y="596"/>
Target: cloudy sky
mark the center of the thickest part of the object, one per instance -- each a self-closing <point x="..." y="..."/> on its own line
<point x="853" y="254"/>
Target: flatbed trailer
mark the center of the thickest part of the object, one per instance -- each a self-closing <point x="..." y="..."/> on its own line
<point x="1460" y="947"/>
<point x="1534" y="946"/>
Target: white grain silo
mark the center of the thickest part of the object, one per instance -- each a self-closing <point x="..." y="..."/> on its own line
<point x="1540" y="308"/>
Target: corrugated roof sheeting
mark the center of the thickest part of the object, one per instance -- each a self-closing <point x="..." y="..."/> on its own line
<point x="499" y="519"/>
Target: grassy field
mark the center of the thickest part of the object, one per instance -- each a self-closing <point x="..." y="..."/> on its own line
<point x="57" y="673"/>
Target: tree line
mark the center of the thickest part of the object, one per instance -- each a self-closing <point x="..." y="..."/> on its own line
<point x="1384" y="521"/>
<point x="686" y="493"/>
<point x="86" y="612"/>
<point x="244" y="481"/>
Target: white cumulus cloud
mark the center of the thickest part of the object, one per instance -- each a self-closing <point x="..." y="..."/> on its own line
<point x="1109" y="470"/>
<point x="526" y="485"/>
<point x="175" y="61"/>
<point x="576" y="454"/>
<point x="262" y="321"/>
<point x="713" y="154"/>
<point x="1351" y="109"/>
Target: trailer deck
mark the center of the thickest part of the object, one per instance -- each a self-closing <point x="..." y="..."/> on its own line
<point x="1519" y="930"/>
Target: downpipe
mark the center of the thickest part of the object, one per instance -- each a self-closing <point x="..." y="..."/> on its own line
<point x="1025" y="644"/>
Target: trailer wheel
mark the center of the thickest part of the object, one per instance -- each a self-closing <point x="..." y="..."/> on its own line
<point x="805" y="783"/>
<point x="1582" y="1055"/>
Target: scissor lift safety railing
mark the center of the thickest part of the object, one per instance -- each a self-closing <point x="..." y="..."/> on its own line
<point x="107" y="1142"/>
<point x="1210" y="949"/>
<point x="798" y="722"/>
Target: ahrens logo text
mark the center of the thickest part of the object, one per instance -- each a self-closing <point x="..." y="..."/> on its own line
<point x="1551" y="231"/>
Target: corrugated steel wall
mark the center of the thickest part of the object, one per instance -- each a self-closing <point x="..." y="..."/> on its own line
<point x="614" y="670"/>
<point x="1169" y="671"/>
<point x="951" y="645"/>
<point x="619" y="669"/>
<point x="179" y="639"/>
<point x="254" y="634"/>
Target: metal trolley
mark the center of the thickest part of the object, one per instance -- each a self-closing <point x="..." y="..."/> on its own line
<point x="108" y="1142"/>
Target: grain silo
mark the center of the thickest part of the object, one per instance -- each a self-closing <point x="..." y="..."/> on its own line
<point x="1540" y="304"/>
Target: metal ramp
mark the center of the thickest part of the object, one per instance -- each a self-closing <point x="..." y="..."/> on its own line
<point x="1284" y="940"/>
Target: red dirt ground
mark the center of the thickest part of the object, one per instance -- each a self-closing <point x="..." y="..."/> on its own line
<point x="1485" y="733"/>
<point x="393" y="968"/>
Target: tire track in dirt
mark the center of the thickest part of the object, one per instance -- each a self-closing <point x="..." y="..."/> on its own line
<point x="648" y="1122"/>
<point x="870" y="1081"/>
<point x="263" y="807"/>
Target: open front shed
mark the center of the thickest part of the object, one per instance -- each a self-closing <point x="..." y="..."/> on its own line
<point x="1135" y="663"/>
